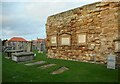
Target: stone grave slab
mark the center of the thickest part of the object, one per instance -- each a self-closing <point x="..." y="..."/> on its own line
<point x="47" y="66"/>
<point x="36" y="63"/>
<point x="60" y="70"/>
<point x="22" y="56"/>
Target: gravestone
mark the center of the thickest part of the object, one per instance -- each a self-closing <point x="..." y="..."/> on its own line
<point x="47" y="66"/>
<point x="36" y="63"/>
<point x="82" y="38"/>
<point x="66" y="41"/>
<point x="111" y="61"/>
<point x="53" y="39"/>
<point x="17" y="46"/>
<point x="60" y="70"/>
<point x="28" y="47"/>
<point x="22" y="56"/>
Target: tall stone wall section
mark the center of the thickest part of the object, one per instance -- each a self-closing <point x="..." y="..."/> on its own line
<point x="97" y="21"/>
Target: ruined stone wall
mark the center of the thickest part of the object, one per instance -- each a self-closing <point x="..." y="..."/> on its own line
<point x="87" y="33"/>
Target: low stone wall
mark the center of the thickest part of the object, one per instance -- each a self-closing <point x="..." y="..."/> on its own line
<point x="85" y="34"/>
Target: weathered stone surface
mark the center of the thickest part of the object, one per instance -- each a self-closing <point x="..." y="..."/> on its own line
<point x="47" y="66"/>
<point x="36" y="63"/>
<point x="98" y="21"/>
<point x="22" y="56"/>
<point x="60" y="70"/>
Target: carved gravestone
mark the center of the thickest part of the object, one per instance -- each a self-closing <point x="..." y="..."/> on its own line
<point x="53" y="39"/>
<point x="65" y="41"/>
<point x="82" y="38"/>
<point x="111" y="61"/>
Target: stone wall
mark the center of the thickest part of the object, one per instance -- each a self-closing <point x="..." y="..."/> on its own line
<point x="18" y="45"/>
<point x="88" y="33"/>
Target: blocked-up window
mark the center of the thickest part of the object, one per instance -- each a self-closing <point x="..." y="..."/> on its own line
<point x="82" y="38"/>
<point x="53" y="40"/>
<point x="65" y="41"/>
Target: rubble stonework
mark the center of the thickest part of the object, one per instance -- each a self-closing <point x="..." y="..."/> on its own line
<point x="97" y="26"/>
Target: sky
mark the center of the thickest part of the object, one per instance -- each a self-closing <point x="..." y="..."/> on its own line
<point x="27" y="18"/>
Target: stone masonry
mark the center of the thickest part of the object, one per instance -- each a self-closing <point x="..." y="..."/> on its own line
<point x="88" y="33"/>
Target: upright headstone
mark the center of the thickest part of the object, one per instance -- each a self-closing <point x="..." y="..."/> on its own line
<point x="28" y="47"/>
<point x="16" y="46"/>
<point x="111" y="61"/>
<point x="25" y="46"/>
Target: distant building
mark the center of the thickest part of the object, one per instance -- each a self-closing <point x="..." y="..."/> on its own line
<point x="38" y="44"/>
<point x="17" y="43"/>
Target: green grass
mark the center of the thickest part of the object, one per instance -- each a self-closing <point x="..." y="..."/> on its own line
<point x="0" y="67"/>
<point x="79" y="71"/>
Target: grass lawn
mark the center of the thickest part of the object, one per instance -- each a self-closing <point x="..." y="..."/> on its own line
<point x="78" y="71"/>
<point x="0" y="67"/>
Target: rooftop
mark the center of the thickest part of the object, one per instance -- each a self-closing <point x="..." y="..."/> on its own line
<point x="17" y="39"/>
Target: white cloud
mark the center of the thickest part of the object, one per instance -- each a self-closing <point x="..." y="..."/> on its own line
<point x="30" y="18"/>
<point x="58" y="0"/>
<point x="42" y="10"/>
<point x="7" y="31"/>
<point x="49" y="0"/>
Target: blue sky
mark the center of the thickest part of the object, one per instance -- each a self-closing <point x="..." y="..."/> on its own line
<point x="27" y="18"/>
